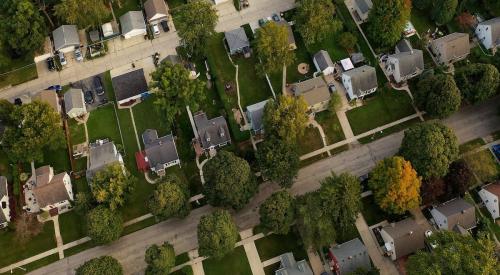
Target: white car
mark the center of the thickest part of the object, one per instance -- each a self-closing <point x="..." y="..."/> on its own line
<point x="62" y="59"/>
<point x="78" y="55"/>
<point x="156" y="29"/>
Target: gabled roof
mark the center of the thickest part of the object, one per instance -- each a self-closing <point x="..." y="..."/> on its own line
<point x="211" y="132"/>
<point x="364" y="5"/>
<point x="159" y="151"/>
<point x="49" y="188"/>
<point x="323" y="60"/>
<point x="493" y="188"/>
<point x="495" y="29"/>
<point x="291" y="38"/>
<point x="64" y="36"/>
<point x="408" y="236"/>
<point x="458" y="212"/>
<point x="289" y="266"/>
<point x="74" y="99"/>
<point x="403" y="46"/>
<point x="3" y="186"/>
<point x="129" y="84"/>
<point x="351" y="255"/>
<point x="363" y="78"/>
<point x="452" y="45"/>
<point x="255" y="113"/>
<point x="132" y="20"/>
<point x="409" y="62"/>
<point x="313" y="90"/>
<point x="101" y="154"/>
<point x="237" y="39"/>
<point x="156" y="8"/>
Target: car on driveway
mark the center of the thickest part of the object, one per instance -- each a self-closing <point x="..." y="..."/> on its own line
<point x="156" y="29"/>
<point x="78" y="55"/>
<point x="164" y="26"/>
<point x="51" y="64"/>
<point x="98" y="86"/>
<point x="276" y="17"/>
<point x="89" y="97"/>
<point x="62" y="59"/>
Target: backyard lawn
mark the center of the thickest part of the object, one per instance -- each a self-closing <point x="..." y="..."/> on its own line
<point x="311" y="141"/>
<point x="371" y="212"/>
<point x="253" y="87"/>
<point x="102" y="123"/>
<point x="331" y="45"/>
<point x="146" y="117"/>
<point x="126" y="5"/>
<point x="59" y="159"/>
<point x="235" y="263"/>
<point x="77" y="132"/>
<point x="383" y="107"/>
<point x="331" y="126"/>
<point x="301" y="56"/>
<point x="274" y="245"/>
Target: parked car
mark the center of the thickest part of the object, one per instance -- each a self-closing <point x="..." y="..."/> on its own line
<point x="51" y="64"/>
<point x="62" y="59"/>
<point x="164" y="26"/>
<point x="332" y="88"/>
<point x="78" y="55"/>
<point x="156" y="29"/>
<point x="262" y="22"/>
<point x="89" y="97"/>
<point x="276" y="17"/>
<point x="98" y="86"/>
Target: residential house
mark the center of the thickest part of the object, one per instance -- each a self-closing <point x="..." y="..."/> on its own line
<point x="101" y="154"/>
<point x="255" y="115"/>
<point x="490" y="195"/>
<point x="237" y="41"/>
<point x="451" y="48"/>
<point x="348" y="257"/>
<point x="362" y="9"/>
<point x="4" y="203"/>
<point x="213" y="133"/>
<point x="159" y="152"/>
<point x="74" y="103"/>
<point x="402" y="238"/>
<point x="130" y="87"/>
<point x="50" y="97"/>
<point x="291" y="38"/>
<point x="289" y="266"/>
<point x="457" y="215"/>
<point x="156" y="11"/>
<point x="405" y="64"/>
<point x="66" y="38"/>
<point x="46" y="192"/>
<point x="360" y="81"/>
<point x="403" y="46"/>
<point x="132" y="24"/>
<point x="323" y="62"/>
<point x="315" y="92"/>
<point x="488" y="33"/>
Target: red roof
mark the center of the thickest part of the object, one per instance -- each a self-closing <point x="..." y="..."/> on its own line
<point x="493" y="188"/>
<point x="140" y="159"/>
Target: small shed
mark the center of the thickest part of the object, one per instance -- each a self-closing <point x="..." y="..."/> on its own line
<point x="66" y="38"/>
<point x="132" y="24"/>
<point x="323" y="62"/>
<point x="237" y="41"/>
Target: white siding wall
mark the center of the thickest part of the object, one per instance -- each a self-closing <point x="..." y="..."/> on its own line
<point x="484" y="35"/>
<point x="491" y="203"/>
<point x="440" y="219"/>
<point x="389" y="240"/>
<point x="346" y="80"/>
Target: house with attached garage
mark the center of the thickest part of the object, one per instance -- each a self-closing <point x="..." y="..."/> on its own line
<point x="451" y="48"/>
<point x="130" y="87"/>
<point x="315" y="92"/>
<point x="323" y="62"/>
<point x="360" y="81"/>
<point x="402" y="238"/>
<point x="349" y="257"/>
<point x="66" y="38"/>
<point x="156" y="11"/>
<point x="132" y="24"/>
<point x="4" y="203"/>
<point x="237" y="41"/>
<point x="159" y="153"/>
<point x="211" y="133"/>
<point x="255" y="115"/>
<point x="74" y="103"/>
<point x="457" y="215"/>
<point x="101" y="154"/>
<point x="405" y="63"/>
<point x="488" y="33"/>
<point x="490" y="195"/>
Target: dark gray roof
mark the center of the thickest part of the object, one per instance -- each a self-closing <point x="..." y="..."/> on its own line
<point x="403" y="46"/>
<point x="101" y="154"/>
<point x="363" y="79"/>
<point x="132" y="20"/>
<point x="323" y="60"/>
<point x="212" y="132"/>
<point x="255" y="113"/>
<point x="64" y="36"/>
<point x="351" y="255"/>
<point x="236" y="39"/>
<point x="495" y="29"/>
<point x="357" y="58"/>
<point x="74" y="99"/>
<point x="410" y="62"/>
<point x="156" y="8"/>
<point x="364" y="5"/>
<point x="459" y="212"/>
<point x="408" y="236"/>
<point x="289" y="266"/>
<point x="159" y="151"/>
<point x="94" y="36"/>
<point x="130" y="84"/>
<point x="3" y="186"/>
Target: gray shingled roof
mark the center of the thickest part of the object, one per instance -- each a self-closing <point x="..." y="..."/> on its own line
<point x="403" y="46"/>
<point x="73" y="99"/>
<point x="255" y="113"/>
<point x="323" y="60"/>
<point x="3" y="186"/>
<point x="363" y="78"/>
<point x="154" y="7"/>
<point x="289" y="266"/>
<point x="313" y="90"/>
<point x="495" y="29"/>
<point x="130" y="84"/>
<point x="408" y="236"/>
<point x="132" y="20"/>
<point x="159" y="151"/>
<point x="212" y="132"/>
<point x="351" y="255"/>
<point x="236" y="39"/>
<point x="364" y="5"/>
<point x="64" y="36"/>
<point x="101" y="155"/>
<point x="459" y="212"/>
<point x="410" y="62"/>
<point x="452" y="45"/>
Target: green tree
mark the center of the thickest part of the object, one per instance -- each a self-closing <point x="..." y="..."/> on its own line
<point x="34" y="128"/>
<point x="104" y="225"/>
<point x="387" y="20"/>
<point x="22" y="28"/>
<point x="112" y="185"/>
<point x="271" y="45"/>
<point x="443" y="11"/>
<point x="286" y="118"/>
<point x="229" y="181"/>
<point x="105" y="265"/>
<point x="456" y="254"/>
<point x="430" y="147"/>
<point x="395" y="185"/>
<point x="169" y="199"/>
<point x="195" y="23"/>
<point x="438" y="95"/>
<point x="278" y="161"/>
<point x="478" y="81"/>
<point x="314" y="20"/>
<point x="84" y="202"/>
<point x="422" y="4"/>
<point x="84" y="13"/>
<point x="6" y="108"/>
<point x="459" y="178"/>
<point x="348" y="41"/>
<point x="217" y="234"/>
<point x="175" y="90"/>
<point x="277" y="213"/>
<point x="160" y="259"/>
<point x="493" y="6"/>
<point x="335" y="103"/>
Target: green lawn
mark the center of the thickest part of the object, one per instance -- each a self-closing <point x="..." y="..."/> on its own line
<point x="301" y="56"/>
<point x="331" y="126"/>
<point x="79" y="248"/>
<point x="471" y="145"/>
<point x="147" y="117"/>
<point x="391" y="130"/>
<point x="35" y="265"/>
<point x="212" y="104"/>
<point x="59" y="159"/>
<point x="138" y="226"/>
<point x="253" y="87"/>
<point x="371" y="212"/>
<point x="382" y="108"/>
<point x="126" y="5"/>
<point x="331" y="45"/>
<point x="77" y="132"/>
<point x="16" y="75"/>
<point x="235" y="263"/>
<point x="274" y="245"/>
<point x="181" y="258"/>
<point x="5" y="168"/>
<point x="311" y="141"/>
<point x="276" y="81"/>
<point x="102" y="123"/>
<point x="421" y="21"/>
<point x="72" y="226"/>
<point x="172" y="4"/>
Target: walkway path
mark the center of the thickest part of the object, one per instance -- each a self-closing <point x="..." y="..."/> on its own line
<point x="316" y="125"/>
<point x="315" y="261"/>
<point x="59" y="240"/>
<point x="252" y="253"/>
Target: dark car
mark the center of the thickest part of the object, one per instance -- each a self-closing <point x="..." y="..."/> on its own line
<point x="164" y="26"/>
<point x="98" y="86"/>
<point x="276" y="17"/>
<point x="51" y="64"/>
<point x="89" y="97"/>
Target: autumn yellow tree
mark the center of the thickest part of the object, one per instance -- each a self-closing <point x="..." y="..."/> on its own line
<point x="395" y="185"/>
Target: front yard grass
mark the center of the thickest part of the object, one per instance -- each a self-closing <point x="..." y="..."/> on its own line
<point x="310" y="141"/>
<point x="274" y="245"/>
<point x="471" y="145"/>
<point x="35" y="265"/>
<point x="371" y="211"/>
<point x="236" y="263"/>
<point x="391" y="130"/>
<point x="331" y="126"/>
<point x="72" y="226"/>
<point x="382" y="108"/>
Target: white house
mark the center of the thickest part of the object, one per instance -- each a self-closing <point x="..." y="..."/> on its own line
<point x="490" y="195"/>
<point x="156" y="11"/>
<point x="488" y="33"/>
<point x="74" y="103"/>
<point x="405" y="63"/>
<point x="4" y="203"/>
<point x="132" y="24"/>
<point x="323" y="62"/>
<point x="402" y="238"/>
<point x="360" y="81"/>
<point x="457" y="215"/>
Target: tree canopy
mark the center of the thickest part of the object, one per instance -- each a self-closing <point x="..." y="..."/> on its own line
<point x="84" y="13"/>
<point x="286" y="118"/>
<point x="277" y="213"/>
<point x="279" y="161"/>
<point x="112" y="185"/>
<point x="229" y="180"/>
<point x="493" y="6"/>
<point x="422" y="4"/>
<point x="478" y="81"/>
<point x="314" y="20"/>
<point x="217" y="234"/>
<point x="105" y="265"/>
<point x="455" y="254"/>
<point x="195" y="23"/>
<point x="459" y="178"/>
<point x="160" y="259"/>
<point x="387" y="20"/>
<point x="175" y="90"/>
<point x="6" y="108"/>
<point x="271" y="45"/>
<point x="395" y="185"/>
<point x="438" y="95"/>
<point x="170" y="199"/>
<point x="443" y="11"/>
<point x="430" y="147"/>
<point x="32" y="128"/>
<point x="104" y="225"/>
<point x="348" y="41"/>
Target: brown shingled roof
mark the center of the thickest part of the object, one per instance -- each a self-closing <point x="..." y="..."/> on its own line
<point x="493" y="188"/>
<point x="51" y="192"/>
